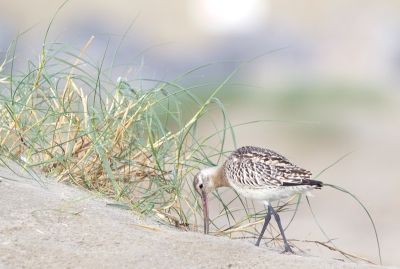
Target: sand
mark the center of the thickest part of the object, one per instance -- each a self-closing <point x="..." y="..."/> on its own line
<point x="35" y="233"/>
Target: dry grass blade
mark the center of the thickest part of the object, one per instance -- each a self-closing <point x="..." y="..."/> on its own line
<point x="341" y="251"/>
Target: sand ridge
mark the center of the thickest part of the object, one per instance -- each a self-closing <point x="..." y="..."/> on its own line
<point x="35" y="233"/>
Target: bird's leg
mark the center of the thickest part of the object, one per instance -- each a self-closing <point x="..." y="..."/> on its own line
<point x="278" y="220"/>
<point x="267" y="219"/>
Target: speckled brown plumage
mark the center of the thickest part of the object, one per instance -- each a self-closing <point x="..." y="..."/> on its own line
<point x="253" y="167"/>
<point x="257" y="173"/>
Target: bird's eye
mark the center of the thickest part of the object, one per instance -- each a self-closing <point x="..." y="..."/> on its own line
<point x="201" y="186"/>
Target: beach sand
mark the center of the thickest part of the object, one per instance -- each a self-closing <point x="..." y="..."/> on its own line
<point x="39" y="229"/>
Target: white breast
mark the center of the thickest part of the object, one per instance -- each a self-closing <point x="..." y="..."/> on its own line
<point x="272" y="193"/>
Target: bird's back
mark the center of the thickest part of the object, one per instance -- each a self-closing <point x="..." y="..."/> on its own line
<point x="263" y="174"/>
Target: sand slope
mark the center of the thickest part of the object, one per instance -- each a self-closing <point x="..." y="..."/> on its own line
<point x="34" y="233"/>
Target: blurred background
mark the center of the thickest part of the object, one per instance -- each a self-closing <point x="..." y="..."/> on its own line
<point x="331" y="87"/>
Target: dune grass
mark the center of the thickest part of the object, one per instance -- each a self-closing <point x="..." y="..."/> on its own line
<point x="67" y="117"/>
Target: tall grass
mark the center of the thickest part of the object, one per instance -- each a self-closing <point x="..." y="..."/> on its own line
<point x="67" y="117"/>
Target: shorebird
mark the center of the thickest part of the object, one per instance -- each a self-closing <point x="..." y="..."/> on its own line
<point x="260" y="174"/>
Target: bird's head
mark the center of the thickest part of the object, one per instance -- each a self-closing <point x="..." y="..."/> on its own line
<point x="204" y="184"/>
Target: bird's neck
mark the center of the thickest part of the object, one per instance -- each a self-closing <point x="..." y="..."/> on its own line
<point x="218" y="176"/>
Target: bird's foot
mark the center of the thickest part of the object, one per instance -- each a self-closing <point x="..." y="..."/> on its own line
<point x="287" y="249"/>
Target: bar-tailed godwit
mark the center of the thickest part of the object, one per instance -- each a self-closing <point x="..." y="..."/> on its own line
<point x="257" y="173"/>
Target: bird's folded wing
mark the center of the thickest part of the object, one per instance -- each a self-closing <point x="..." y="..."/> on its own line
<point x="251" y="173"/>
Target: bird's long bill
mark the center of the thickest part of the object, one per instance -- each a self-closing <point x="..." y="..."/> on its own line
<point x="204" y="199"/>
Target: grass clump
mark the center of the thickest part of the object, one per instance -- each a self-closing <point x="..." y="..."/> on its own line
<point x="68" y="118"/>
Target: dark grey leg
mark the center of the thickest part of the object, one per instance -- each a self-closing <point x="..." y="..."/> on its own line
<point x="267" y="219"/>
<point x="278" y="220"/>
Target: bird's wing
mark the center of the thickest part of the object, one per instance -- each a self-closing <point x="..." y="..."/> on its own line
<point x="259" y="154"/>
<point x="257" y="168"/>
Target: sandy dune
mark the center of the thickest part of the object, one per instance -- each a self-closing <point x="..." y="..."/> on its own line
<point x="35" y="233"/>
